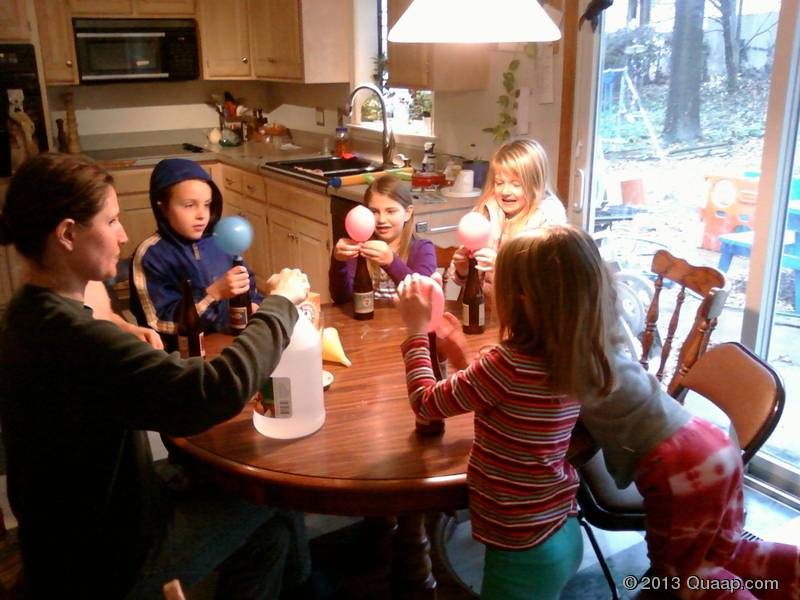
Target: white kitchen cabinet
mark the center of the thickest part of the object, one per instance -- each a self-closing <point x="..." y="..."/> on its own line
<point x="14" y="24"/>
<point x="57" y="42"/>
<point x="136" y="216"/>
<point x="438" y="67"/>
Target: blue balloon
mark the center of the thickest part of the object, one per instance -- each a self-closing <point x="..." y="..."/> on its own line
<point x="233" y="235"/>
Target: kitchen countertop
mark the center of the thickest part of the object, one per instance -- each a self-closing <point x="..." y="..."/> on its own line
<point x="250" y="155"/>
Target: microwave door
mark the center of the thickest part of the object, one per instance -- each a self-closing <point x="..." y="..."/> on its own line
<point x="121" y="56"/>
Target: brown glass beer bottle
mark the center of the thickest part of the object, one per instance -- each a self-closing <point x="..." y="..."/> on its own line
<point x="473" y="309"/>
<point x="363" y="294"/>
<point x="189" y="325"/>
<point x="431" y="426"/>
<point x="239" y="308"/>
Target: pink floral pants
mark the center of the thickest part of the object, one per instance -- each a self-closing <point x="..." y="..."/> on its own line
<point x="692" y="489"/>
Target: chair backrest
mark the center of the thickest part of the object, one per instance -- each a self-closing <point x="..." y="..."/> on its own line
<point x="173" y="591"/>
<point x="443" y="258"/>
<point x="10" y="564"/>
<point x="744" y="387"/>
<point x="706" y="282"/>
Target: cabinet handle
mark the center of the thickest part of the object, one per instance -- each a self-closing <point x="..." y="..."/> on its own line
<point x="228" y="181"/>
<point x="250" y="188"/>
<point x="244" y="59"/>
<point x="272" y="60"/>
<point x="69" y="63"/>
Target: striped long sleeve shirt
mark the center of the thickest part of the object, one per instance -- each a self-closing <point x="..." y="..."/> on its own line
<point x="521" y="487"/>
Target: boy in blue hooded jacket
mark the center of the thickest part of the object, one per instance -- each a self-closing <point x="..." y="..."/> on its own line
<point x="187" y="204"/>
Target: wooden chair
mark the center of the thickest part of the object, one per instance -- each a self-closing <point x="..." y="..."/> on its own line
<point x="729" y="376"/>
<point x="173" y="591"/>
<point x="706" y="282"/>
<point x="10" y="564"/>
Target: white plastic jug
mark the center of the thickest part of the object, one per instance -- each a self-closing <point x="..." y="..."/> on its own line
<point x="295" y="388"/>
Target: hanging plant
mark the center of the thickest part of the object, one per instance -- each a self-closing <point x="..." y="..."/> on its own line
<point x="509" y="99"/>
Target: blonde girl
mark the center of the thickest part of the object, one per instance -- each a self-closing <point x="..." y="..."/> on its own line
<point x="392" y="253"/>
<point x="516" y="197"/>
<point x="554" y="339"/>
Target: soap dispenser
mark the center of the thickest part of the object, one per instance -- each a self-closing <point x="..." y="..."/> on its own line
<point x="428" y="159"/>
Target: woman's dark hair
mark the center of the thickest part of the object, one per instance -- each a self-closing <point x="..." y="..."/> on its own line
<point x="44" y="191"/>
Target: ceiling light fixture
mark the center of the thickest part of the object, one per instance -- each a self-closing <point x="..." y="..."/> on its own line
<point x="474" y="22"/>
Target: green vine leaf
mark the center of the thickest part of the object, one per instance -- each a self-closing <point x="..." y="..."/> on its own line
<point x="513" y="65"/>
<point x="504" y="101"/>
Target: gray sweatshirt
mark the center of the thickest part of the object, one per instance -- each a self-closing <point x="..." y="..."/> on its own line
<point x="632" y="420"/>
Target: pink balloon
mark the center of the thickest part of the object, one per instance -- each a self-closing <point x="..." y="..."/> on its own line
<point x="474" y="231"/>
<point x="359" y="223"/>
<point x="437" y="301"/>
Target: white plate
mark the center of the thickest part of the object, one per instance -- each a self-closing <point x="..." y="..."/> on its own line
<point x="327" y="379"/>
<point x="449" y="193"/>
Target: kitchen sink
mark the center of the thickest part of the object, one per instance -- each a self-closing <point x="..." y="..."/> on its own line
<point x="322" y="169"/>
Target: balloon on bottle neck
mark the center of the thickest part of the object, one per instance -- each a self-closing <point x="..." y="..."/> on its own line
<point x="474" y="231"/>
<point x="359" y="223"/>
<point x="233" y="235"/>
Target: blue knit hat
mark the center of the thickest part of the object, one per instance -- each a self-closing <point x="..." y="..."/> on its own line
<point x="170" y="171"/>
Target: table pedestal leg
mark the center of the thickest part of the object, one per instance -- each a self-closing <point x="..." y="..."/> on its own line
<point x="411" y="562"/>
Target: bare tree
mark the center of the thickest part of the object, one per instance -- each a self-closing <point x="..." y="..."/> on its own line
<point x="682" y="119"/>
<point x="729" y="19"/>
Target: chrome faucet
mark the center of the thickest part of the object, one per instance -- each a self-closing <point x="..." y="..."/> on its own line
<point x="388" y="135"/>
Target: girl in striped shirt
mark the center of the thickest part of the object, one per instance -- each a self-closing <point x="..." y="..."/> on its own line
<point x="554" y="311"/>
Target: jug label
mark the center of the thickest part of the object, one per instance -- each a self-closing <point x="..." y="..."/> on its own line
<point x="276" y="397"/>
<point x="363" y="302"/>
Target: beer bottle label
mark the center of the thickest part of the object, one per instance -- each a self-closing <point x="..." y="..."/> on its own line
<point x="185" y="348"/>
<point x="363" y="302"/>
<point x="276" y="397"/>
<point x="465" y="315"/>
<point x="238" y="317"/>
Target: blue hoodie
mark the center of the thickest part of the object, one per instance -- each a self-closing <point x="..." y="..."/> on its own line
<point x="165" y="259"/>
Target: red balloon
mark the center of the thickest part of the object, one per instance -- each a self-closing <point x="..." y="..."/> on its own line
<point x="474" y="231"/>
<point x="359" y="223"/>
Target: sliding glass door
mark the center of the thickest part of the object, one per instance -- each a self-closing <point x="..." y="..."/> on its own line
<point x="677" y="151"/>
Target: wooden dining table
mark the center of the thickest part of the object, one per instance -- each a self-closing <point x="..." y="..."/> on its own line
<point x="366" y="460"/>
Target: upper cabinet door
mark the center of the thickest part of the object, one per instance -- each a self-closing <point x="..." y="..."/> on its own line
<point x="409" y="64"/>
<point x="56" y="41"/>
<point x="166" y="8"/>
<point x="14" y="24"/>
<point x="101" y="7"/>
<point x="275" y="39"/>
<point x="225" y="40"/>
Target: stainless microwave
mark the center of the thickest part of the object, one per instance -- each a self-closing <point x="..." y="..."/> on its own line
<point x="111" y="50"/>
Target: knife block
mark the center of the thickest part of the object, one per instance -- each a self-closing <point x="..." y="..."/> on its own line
<point x="73" y="143"/>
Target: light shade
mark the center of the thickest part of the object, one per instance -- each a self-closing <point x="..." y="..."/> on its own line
<point x="474" y="22"/>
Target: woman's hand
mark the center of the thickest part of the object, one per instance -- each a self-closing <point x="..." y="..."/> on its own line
<point x="378" y="251"/>
<point x="236" y="281"/>
<point x="414" y="304"/>
<point x="346" y="249"/>
<point x="149" y="336"/>
<point x="292" y="284"/>
<point x="485" y="258"/>
<point x="461" y="261"/>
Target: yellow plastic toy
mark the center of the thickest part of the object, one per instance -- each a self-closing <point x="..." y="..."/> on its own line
<point x="332" y="347"/>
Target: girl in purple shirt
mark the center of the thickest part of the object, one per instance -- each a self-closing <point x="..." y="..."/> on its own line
<point x="392" y="253"/>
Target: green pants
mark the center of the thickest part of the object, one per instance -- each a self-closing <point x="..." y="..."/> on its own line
<point x="538" y="573"/>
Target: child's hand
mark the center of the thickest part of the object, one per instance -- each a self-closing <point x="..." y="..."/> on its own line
<point x="451" y="341"/>
<point x="377" y="251"/>
<point x="346" y="249"/>
<point x="461" y="261"/>
<point x="485" y="258"/>
<point x="236" y="281"/>
<point x="414" y="304"/>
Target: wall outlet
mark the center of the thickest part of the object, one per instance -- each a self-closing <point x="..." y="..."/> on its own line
<point x="320" y="114"/>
